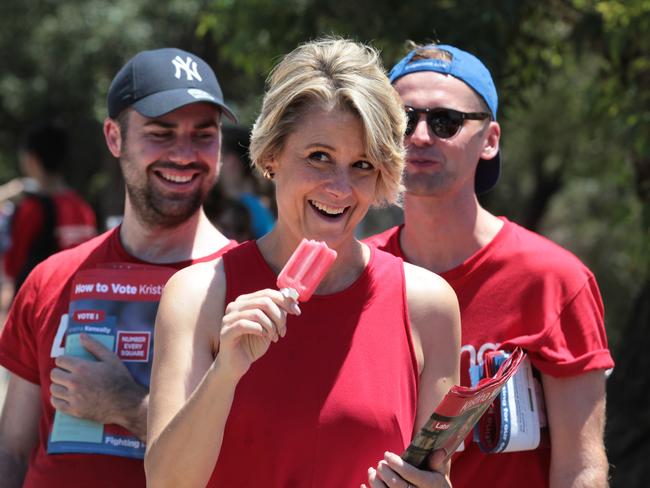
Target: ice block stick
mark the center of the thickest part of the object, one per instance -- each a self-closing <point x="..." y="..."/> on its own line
<point x="305" y="269"/>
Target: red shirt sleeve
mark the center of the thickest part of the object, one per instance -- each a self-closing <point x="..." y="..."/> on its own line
<point x="577" y="342"/>
<point x="18" y="350"/>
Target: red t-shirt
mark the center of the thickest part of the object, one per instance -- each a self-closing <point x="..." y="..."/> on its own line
<point x="325" y="402"/>
<point x="521" y="289"/>
<point x="74" y="223"/>
<point x="26" y="344"/>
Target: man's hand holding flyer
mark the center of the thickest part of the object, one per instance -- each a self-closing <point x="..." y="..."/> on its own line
<point x="458" y="412"/>
<point x="116" y="305"/>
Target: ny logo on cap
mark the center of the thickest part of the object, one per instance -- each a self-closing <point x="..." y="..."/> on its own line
<point x="188" y="66"/>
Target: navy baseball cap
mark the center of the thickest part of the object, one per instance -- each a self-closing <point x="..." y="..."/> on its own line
<point x="470" y="70"/>
<point x="156" y="82"/>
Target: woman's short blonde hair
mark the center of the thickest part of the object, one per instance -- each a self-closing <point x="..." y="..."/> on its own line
<point x="335" y="73"/>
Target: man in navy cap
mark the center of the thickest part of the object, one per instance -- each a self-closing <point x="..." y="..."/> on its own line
<point x="164" y="126"/>
<point x="515" y="288"/>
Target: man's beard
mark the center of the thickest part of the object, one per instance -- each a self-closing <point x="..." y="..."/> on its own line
<point x="157" y="211"/>
<point x="154" y="209"/>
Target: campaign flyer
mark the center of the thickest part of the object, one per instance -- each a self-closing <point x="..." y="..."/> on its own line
<point x="513" y="421"/>
<point x="115" y="305"/>
<point x="458" y="412"/>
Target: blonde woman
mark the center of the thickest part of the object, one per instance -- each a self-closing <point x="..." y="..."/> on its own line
<point x="248" y="388"/>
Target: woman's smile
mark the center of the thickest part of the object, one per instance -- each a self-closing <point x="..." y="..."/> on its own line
<point x="324" y="181"/>
<point x="331" y="212"/>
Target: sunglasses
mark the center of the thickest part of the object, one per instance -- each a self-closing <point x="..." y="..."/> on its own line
<point x="444" y="122"/>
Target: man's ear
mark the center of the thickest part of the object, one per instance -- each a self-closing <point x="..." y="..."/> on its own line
<point x="491" y="145"/>
<point x="113" y="136"/>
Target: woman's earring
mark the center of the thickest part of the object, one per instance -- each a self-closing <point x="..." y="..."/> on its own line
<point x="268" y="174"/>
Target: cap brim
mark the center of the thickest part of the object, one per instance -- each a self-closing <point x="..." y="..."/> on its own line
<point x="164" y="102"/>
<point x="487" y="174"/>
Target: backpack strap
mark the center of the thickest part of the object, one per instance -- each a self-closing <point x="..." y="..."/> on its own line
<point x="45" y="243"/>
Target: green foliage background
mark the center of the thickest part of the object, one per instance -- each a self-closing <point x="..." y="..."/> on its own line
<point x="574" y="85"/>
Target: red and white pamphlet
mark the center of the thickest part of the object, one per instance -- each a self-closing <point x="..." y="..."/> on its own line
<point x="458" y="412"/>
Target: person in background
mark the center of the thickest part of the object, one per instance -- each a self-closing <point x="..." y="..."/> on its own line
<point x="230" y="216"/>
<point x="240" y="183"/>
<point x="10" y="193"/>
<point x="51" y="217"/>
<point x="514" y="286"/>
<point x="248" y="388"/>
<point x="164" y="125"/>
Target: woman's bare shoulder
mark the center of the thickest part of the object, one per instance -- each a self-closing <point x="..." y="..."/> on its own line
<point x="195" y="292"/>
<point x="429" y="293"/>
<point x="197" y="278"/>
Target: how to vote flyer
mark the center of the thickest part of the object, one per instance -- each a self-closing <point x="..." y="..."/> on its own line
<point x="115" y="305"/>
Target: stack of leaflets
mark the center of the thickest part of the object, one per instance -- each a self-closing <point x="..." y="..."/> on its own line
<point x="458" y="412"/>
<point x="515" y="419"/>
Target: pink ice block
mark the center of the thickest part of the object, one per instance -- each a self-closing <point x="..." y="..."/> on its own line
<point x="305" y="269"/>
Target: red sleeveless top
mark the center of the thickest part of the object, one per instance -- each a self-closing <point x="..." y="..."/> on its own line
<point x="325" y="402"/>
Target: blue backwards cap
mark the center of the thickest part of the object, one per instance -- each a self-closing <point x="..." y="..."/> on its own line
<point x="463" y="65"/>
<point x="470" y="70"/>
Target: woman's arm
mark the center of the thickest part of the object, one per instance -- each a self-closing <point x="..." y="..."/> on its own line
<point x="435" y="325"/>
<point x="187" y="406"/>
<point x="192" y="387"/>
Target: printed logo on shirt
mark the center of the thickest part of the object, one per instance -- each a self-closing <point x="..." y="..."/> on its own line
<point x="476" y="358"/>
<point x="58" y="344"/>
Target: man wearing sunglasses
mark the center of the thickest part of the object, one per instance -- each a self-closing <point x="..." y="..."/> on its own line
<point x="514" y="287"/>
